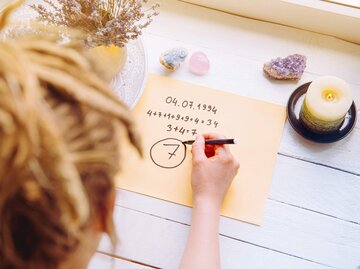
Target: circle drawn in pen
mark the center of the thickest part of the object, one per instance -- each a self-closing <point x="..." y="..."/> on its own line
<point x="168" y="153"/>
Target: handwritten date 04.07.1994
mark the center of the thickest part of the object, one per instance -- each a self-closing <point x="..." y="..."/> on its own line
<point x="190" y="105"/>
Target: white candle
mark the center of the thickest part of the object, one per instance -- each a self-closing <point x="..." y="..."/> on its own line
<point x="326" y="103"/>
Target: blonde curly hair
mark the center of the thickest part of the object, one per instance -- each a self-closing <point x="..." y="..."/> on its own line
<point x="60" y="129"/>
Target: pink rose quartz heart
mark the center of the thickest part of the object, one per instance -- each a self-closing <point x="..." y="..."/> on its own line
<point x="199" y="63"/>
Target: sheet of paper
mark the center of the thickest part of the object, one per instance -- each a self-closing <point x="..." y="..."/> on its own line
<point x="171" y="111"/>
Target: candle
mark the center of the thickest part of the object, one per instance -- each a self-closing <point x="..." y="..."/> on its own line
<point x="326" y="103"/>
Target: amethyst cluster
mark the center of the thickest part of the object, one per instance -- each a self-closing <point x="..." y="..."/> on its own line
<point x="291" y="67"/>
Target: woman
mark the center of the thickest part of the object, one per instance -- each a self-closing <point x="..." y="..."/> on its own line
<point x="60" y="134"/>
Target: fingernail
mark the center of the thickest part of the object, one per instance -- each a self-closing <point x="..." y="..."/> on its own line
<point x="197" y="137"/>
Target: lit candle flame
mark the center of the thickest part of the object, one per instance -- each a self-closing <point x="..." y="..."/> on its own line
<point x="330" y="97"/>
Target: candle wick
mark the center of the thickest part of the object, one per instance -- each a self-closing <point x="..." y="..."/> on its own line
<point x="330" y="97"/>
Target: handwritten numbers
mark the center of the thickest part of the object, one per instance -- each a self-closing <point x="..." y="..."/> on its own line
<point x="182" y="130"/>
<point x="181" y="115"/>
<point x="191" y="104"/>
<point x="168" y="153"/>
<point x="214" y="110"/>
<point x="172" y="153"/>
<point x="168" y="100"/>
<point x="171" y="100"/>
<point x="188" y="104"/>
<point x="178" y="117"/>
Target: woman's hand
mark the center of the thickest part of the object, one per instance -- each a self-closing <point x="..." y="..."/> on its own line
<point x="214" y="168"/>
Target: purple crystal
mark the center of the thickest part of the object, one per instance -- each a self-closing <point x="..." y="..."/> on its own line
<point x="290" y="67"/>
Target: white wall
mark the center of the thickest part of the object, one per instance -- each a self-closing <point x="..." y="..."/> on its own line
<point x="314" y="15"/>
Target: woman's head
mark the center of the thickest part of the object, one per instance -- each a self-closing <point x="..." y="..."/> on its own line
<point x="59" y="151"/>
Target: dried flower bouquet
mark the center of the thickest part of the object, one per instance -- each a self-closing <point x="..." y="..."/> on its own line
<point x="105" y="22"/>
<point x="107" y="25"/>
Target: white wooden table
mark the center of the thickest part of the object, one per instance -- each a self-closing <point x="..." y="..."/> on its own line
<point x="312" y="217"/>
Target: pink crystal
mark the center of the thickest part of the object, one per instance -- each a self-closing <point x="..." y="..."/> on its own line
<point x="199" y="63"/>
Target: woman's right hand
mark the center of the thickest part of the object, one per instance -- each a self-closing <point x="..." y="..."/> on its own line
<point x="214" y="168"/>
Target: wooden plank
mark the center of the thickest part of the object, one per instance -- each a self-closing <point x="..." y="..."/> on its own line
<point x="347" y="3"/>
<point x="255" y="40"/>
<point x="329" y="234"/>
<point x="121" y="264"/>
<point x="103" y="261"/>
<point x="159" y="242"/>
<point x="100" y="261"/>
<point x="316" y="188"/>
<point x="343" y="155"/>
<point x="317" y="16"/>
<point x="229" y="72"/>
<point x="297" y="183"/>
<point x="303" y="185"/>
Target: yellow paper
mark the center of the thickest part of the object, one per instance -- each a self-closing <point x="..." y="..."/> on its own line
<point x="175" y="109"/>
